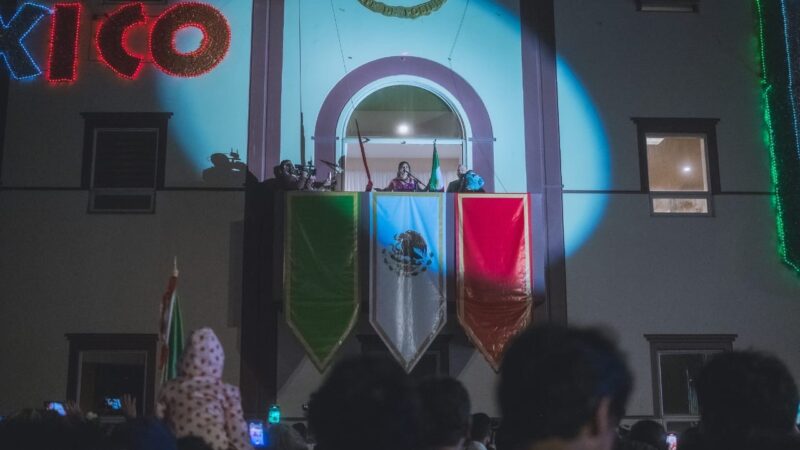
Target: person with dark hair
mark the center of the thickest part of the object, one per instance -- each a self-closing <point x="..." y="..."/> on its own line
<point x="404" y="181"/>
<point x="290" y="178"/>
<point x="39" y="429"/>
<point x="284" y="437"/>
<point x="467" y="181"/>
<point x="691" y="439"/>
<point x="365" y="404"/>
<point x="480" y="432"/>
<point x="34" y="429"/>
<point x="445" y="413"/>
<point x="193" y="443"/>
<point x="142" y="434"/>
<point x="562" y="388"/>
<point x="649" y="432"/>
<point x="301" y="429"/>
<point x="745" y="393"/>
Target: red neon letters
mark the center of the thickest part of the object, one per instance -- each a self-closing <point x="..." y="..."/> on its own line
<point x="216" y="39"/>
<point x="111" y="40"/>
<point x="63" y="60"/>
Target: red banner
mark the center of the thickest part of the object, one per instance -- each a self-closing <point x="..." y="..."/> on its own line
<point x="494" y="269"/>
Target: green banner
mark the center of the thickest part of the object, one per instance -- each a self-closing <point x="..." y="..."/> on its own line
<point x="320" y="277"/>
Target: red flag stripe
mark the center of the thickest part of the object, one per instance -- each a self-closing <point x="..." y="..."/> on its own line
<point x="493" y="266"/>
<point x="364" y="158"/>
<point x="166" y="318"/>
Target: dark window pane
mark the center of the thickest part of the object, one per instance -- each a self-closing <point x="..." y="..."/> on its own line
<point x="125" y="159"/>
<point x="678" y="375"/>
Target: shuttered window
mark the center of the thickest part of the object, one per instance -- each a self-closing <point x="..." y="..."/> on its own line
<point x="124" y="156"/>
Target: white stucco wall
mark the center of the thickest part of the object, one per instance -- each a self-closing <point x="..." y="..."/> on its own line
<point x="640" y="274"/>
<point x="44" y="131"/>
<point x="65" y="271"/>
<point x="62" y="270"/>
<point x="479" y="40"/>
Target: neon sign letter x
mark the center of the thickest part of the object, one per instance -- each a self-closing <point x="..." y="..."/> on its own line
<point x="16" y="56"/>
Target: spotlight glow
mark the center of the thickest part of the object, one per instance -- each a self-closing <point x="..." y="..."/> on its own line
<point x="201" y="129"/>
<point x="589" y="167"/>
<point x="403" y="129"/>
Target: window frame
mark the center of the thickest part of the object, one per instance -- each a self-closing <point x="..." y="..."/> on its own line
<point x="449" y="99"/>
<point x="123" y="121"/>
<point x="668" y="6"/>
<point x="677" y="344"/>
<point x="113" y="342"/>
<point x="680" y="126"/>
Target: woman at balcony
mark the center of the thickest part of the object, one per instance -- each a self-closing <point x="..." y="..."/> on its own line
<point x="404" y="181"/>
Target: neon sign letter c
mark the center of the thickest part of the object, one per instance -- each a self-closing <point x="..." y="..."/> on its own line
<point x="111" y="39"/>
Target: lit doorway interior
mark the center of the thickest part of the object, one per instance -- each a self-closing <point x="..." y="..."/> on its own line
<point x="401" y="123"/>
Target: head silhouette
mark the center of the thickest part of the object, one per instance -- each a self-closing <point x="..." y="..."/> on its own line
<point x="564" y="384"/>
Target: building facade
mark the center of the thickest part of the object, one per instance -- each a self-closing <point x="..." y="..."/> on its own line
<point x="569" y="100"/>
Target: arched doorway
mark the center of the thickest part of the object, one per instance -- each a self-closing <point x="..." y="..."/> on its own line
<point x="401" y="120"/>
<point x="336" y="109"/>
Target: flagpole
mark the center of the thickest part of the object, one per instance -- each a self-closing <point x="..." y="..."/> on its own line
<point x="364" y="158"/>
<point x="166" y="319"/>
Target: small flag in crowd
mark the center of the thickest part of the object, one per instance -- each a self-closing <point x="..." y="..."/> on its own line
<point x="171" y="330"/>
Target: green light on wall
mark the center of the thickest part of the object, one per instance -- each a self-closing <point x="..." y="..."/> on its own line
<point x="778" y="71"/>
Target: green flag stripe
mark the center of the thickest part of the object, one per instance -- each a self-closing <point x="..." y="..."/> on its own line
<point x="174" y="341"/>
<point x="321" y="270"/>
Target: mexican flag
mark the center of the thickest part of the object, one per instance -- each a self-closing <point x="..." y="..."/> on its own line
<point x="436" y="183"/>
<point x="171" y="330"/>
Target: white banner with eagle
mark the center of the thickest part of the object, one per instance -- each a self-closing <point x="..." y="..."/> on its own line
<point x="408" y="294"/>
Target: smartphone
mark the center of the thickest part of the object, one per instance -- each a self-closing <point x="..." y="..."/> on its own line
<point x="274" y="414"/>
<point x="258" y="438"/>
<point x="113" y="403"/>
<point x="57" y="407"/>
<point x="672" y="441"/>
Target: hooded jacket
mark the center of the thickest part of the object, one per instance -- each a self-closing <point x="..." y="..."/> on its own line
<point x="198" y="403"/>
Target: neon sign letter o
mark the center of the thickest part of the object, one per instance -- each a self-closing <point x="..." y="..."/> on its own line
<point x="212" y="50"/>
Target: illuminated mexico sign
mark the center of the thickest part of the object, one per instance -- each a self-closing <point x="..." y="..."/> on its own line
<point x="110" y="41"/>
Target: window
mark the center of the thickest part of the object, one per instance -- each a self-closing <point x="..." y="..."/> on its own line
<point x="684" y="6"/>
<point x="104" y="367"/>
<point x="123" y="160"/>
<point x="678" y="164"/>
<point x="676" y="361"/>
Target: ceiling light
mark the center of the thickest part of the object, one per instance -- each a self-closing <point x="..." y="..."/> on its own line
<point x="686" y="169"/>
<point x="654" y="141"/>
<point x="403" y="128"/>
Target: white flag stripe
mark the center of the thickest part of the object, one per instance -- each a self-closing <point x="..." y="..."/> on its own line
<point x="407" y="281"/>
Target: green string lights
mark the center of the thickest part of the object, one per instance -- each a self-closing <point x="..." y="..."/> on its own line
<point x="779" y="46"/>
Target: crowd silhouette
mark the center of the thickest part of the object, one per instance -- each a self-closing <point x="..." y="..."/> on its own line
<point x="560" y="388"/>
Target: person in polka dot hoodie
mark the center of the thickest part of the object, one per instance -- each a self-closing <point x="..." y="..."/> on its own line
<point x="198" y="403"/>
